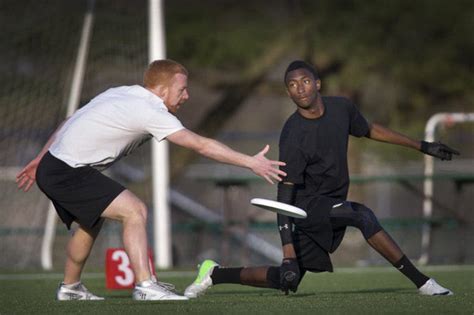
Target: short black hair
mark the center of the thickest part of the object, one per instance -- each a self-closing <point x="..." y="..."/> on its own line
<point x="298" y="64"/>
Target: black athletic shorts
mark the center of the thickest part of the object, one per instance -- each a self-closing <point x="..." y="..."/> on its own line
<point x="315" y="237"/>
<point x="78" y="194"/>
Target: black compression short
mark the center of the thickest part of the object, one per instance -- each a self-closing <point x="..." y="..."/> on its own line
<point x="78" y="194"/>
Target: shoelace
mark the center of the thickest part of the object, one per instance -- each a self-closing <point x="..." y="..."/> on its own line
<point x="166" y="286"/>
<point x="83" y="289"/>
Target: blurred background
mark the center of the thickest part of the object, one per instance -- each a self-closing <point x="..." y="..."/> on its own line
<point x="400" y="61"/>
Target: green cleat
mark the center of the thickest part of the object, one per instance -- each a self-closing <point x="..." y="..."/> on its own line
<point x="203" y="280"/>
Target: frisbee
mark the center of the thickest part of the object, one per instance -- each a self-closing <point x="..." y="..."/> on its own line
<point x="279" y="207"/>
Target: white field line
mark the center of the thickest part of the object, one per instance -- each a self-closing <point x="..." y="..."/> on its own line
<point x="178" y="274"/>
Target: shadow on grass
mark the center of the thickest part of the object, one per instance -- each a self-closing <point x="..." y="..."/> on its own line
<point x="265" y="292"/>
<point x="277" y="293"/>
<point x="379" y="290"/>
<point x="241" y="292"/>
<point x="124" y="297"/>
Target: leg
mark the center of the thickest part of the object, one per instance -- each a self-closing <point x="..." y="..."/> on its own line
<point x="361" y="217"/>
<point x="210" y="273"/>
<point x="252" y="276"/>
<point x="78" y="249"/>
<point x="132" y="212"/>
<point x="385" y="246"/>
<point x="255" y="276"/>
<point x="262" y="277"/>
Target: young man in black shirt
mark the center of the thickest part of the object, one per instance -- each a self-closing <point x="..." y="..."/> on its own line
<point x="313" y="143"/>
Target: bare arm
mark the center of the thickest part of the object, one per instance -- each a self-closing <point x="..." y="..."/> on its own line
<point x="27" y="176"/>
<point x="218" y="151"/>
<point x="384" y="134"/>
<point x="436" y="149"/>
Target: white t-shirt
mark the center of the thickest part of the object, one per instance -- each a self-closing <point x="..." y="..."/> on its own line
<point x="111" y="125"/>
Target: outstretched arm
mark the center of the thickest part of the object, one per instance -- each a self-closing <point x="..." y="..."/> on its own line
<point x="27" y="176"/>
<point x="384" y="134"/>
<point x="259" y="164"/>
<point x="436" y="149"/>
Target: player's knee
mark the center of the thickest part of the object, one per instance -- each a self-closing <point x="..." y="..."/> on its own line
<point x="137" y="213"/>
<point x="143" y="210"/>
<point x="367" y="222"/>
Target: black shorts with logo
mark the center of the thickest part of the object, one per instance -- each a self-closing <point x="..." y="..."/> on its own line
<point x="78" y="194"/>
<point x="316" y="236"/>
<point x="322" y="231"/>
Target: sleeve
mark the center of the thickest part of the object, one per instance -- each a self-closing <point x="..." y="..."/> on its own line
<point x="286" y="194"/>
<point x="359" y="127"/>
<point x="291" y="153"/>
<point x="161" y="124"/>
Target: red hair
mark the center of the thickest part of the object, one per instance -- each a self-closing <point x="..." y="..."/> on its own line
<point x="160" y="72"/>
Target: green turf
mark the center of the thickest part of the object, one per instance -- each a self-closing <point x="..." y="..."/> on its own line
<point x="355" y="291"/>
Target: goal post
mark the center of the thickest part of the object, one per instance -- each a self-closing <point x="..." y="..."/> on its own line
<point x="159" y="159"/>
<point x="72" y="105"/>
<point x="430" y="130"/>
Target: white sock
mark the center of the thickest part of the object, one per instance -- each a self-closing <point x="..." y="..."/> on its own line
<point x="71" y="285"/>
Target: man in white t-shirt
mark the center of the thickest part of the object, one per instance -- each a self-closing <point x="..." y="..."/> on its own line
<point x="109" y="127"/>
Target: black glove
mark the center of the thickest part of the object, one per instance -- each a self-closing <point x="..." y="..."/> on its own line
<point x="289" y="275"/>
<point x="437" y="149"/>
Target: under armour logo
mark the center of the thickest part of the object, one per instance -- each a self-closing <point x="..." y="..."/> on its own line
<point x="285" y="226"/>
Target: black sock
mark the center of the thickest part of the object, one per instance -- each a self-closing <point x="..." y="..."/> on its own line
<point x="405" y="266"/>
<point x="226" y="275"/>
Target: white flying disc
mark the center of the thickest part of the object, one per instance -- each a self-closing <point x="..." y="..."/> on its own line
<point x="279" y="207"/>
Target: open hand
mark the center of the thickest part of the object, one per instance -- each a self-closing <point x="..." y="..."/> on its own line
<point x="27" y="176"/>
<point x="266" y="168"/>
<point x="437" y="149"/>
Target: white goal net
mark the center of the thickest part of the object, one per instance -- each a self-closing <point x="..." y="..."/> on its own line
<point x="40" y="42"/>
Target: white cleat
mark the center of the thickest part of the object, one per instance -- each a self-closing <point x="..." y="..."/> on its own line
<point x="433" y="288"/>
<point x="155" y="291"/>
<point x="203" y="280"/>
<point x="76" y="291"/>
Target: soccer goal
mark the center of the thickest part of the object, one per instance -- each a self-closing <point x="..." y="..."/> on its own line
<point x="446" y="120"/>
<point x="62" y="55"/>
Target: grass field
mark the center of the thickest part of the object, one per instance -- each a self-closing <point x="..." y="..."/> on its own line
<point x="346" y="291"/>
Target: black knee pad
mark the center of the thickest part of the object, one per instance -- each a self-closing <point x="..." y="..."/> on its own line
<point x="367" y="222"/>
